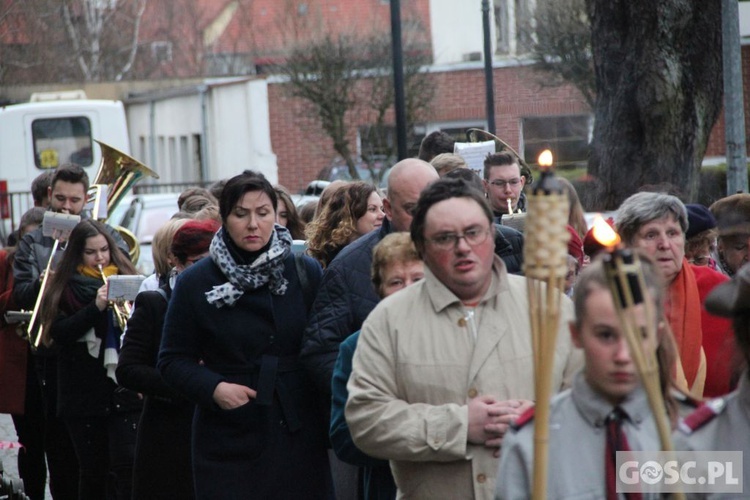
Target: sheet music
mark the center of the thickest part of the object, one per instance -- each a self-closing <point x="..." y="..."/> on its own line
<point x="474" y="154"/>
<point x="124" y="287"/>
<point x="58" y="225"/>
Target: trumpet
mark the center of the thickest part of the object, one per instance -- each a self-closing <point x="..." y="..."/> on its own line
<point x="120" y="308"/>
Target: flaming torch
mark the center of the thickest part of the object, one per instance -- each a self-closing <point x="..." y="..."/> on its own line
<point x="626" y="282"/>
<point x="545" y="266"/>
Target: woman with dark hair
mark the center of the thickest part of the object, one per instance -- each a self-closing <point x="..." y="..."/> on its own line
<point x="231" y="343"/>
<point x="286" y="214"/>
<point x="100" y="415"/>
<point x="162" y="468"/>
<point x="353" y="210"/>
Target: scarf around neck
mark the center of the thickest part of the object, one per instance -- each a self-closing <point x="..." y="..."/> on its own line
<point x="684" y="315"/>
<point x="82" y="290"/>
<point x="266" y="268"/>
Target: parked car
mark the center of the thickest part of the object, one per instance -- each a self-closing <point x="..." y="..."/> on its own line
<point x="143" y="215"/>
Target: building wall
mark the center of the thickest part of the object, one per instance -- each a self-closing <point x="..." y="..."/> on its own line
<point x="302" y="150"/>
<point x="716" y="144"/>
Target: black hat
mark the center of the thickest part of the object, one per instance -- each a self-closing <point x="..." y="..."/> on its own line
<point x="732" y="297"/>
<point x="699" y="219"/>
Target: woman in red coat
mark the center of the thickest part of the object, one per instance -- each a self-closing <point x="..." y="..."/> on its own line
<point x="19" y="390"/>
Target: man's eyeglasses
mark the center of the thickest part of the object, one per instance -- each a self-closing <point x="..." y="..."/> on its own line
<point x="501" y="183"/>
<point x="447" y="241"/>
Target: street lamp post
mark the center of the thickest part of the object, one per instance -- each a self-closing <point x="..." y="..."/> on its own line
<point x="488" y="76"/>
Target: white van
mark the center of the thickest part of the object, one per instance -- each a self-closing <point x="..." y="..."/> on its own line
<point x="39" y="136"/>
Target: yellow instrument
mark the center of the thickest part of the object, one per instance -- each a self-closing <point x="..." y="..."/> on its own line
<point x="119" y="171"/>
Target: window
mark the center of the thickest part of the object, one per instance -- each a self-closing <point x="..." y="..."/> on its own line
<point x="161" y="51"/>
<point x="514" y="26"/>
<point x="225" y="63"/>
<point x="567" y="137"/>
<point x="62" y="140"/>
<point x="377" y="142"/>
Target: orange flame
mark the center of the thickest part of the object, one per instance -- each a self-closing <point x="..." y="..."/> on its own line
<point x="545" y="159"/>
<point x="603" y="233"/>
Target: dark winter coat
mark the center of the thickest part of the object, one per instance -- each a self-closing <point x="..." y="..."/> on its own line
<point x="162" y="467"/>
<point x="275" y="445"/>
<point x="83" y="387"/>
<point x="345" y="298"/>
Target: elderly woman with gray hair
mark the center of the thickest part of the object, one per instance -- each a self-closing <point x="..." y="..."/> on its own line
<point x="656" y="224"/>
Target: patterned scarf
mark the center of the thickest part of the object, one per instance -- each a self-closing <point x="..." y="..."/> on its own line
<point x="268" y="267"/>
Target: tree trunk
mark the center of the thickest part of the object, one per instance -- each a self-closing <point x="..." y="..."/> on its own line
<point x="659" y="92"/>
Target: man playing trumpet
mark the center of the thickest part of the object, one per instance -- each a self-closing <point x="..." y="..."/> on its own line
<point x="503" y="184"/>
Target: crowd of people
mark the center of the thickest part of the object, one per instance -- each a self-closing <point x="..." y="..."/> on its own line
<point x="390" y="357"/>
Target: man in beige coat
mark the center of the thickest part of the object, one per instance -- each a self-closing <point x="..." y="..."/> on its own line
<point x="444" y="366"/>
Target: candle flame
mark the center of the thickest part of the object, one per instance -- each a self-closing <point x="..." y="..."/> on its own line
<point x="603" y="232"/>
<point x="545" y="158"/>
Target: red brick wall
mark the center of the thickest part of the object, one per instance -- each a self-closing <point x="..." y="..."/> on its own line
<point x="302" y="150"/>
<point x="716" y="143"/>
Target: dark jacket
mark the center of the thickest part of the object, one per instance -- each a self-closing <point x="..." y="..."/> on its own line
<point x="275" y="445"/>
<point x="83" y="387"/>
<point x="509" y="247"/>
<point x="162" y="467"/>
<point x="345" y="298"/>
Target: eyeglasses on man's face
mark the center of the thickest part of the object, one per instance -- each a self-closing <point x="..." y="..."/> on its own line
<point x="510" y="182"/>
<point x="447" y="241"/>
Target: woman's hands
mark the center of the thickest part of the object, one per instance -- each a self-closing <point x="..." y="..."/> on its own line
<point x="229" y="396"/>
<point x="101" y="298"/>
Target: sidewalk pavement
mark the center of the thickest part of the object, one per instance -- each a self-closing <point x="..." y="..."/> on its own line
<point x="9" y="456"/>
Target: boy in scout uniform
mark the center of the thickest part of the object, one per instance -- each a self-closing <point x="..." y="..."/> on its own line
<point x="605" y="411"/>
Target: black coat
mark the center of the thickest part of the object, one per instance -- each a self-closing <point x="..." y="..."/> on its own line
<point x="345" y="298"/>
<point x="509" y="247"/>
<point x="83" y="387"/>
<point x="274" y="446"/>
<point x="162" y="467"/>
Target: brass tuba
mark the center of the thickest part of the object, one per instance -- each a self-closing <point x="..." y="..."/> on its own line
<point x="118" y="172"/>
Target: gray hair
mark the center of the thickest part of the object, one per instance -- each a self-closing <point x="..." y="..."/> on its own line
<point x="642" y="208"/>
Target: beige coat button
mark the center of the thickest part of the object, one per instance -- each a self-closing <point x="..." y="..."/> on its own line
<point x="462" y="322"/>
<point x="481" y="478"/>
<point x="472" y="393"/>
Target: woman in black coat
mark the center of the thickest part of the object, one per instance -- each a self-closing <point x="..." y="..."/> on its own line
<point x="100" y="415"/>
<point x="231" y="344"/>
<point x="162" y="468"/>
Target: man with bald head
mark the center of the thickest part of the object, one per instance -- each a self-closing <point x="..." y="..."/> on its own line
<point x="346" y="295"/>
